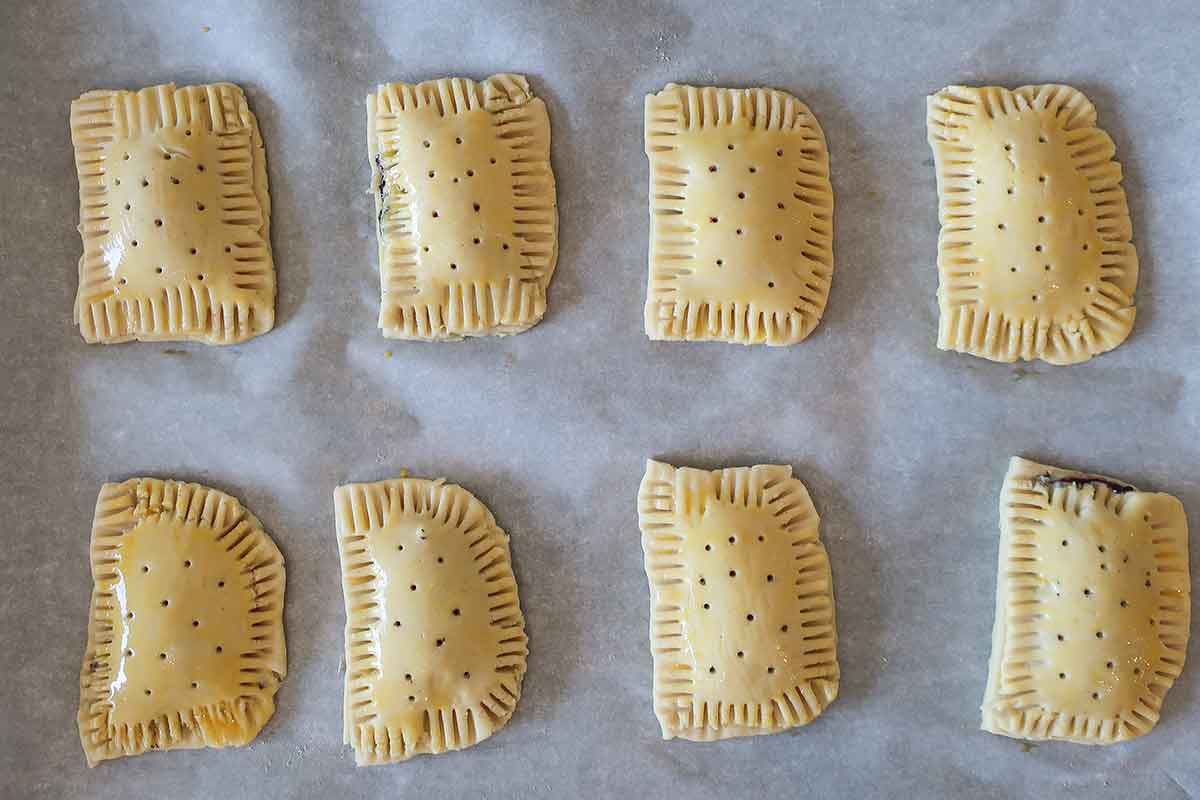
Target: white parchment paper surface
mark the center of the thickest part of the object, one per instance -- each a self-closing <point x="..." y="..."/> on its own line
<point x="902" y="447"/>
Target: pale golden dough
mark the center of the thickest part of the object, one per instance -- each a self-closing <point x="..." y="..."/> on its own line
<point x="185" y="632"/>
<point x="1034" y="257"/>
<point x="1092" y="607"/>
<point x="466" y="209"/>
<point x="174" y="214"/>
<point x="742" y="618"/>
<point x="435" y="638"/>
<point x="741" y="209"/>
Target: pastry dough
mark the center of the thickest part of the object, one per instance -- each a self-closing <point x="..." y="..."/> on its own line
<point x="1092" y="607"/>
<point x="1034" y="256"/>
<point x="465" y="206"/>
<point x="185" y="634"/>
<point x="174" y="215"/>
<point x="741" y="598"/>
<point x="741" y="209"/>
<point x="435" y="639"/>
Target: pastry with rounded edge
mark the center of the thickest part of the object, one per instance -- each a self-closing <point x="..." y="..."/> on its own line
<point x="435" y="638"/>
<point x="741" y="598"/>
<point x="185" y="632"/>
<point x="741" y="210"/>
<point x="466" y="210"/>
<point x="1092" y="607"/>
<point x="174" y="214"/>
<point x="1035" y="258"/>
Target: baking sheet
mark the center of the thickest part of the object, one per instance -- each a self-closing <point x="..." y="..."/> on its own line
<point x="902" y="447"/>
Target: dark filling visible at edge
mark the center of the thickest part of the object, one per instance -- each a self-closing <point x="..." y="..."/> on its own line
<point x="382" y="189"/>
<point x="1080" y="480"/>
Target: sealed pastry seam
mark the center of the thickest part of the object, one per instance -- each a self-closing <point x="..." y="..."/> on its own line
<point x="435" y="638"/>
<point x="174" y="216"/>
<point x="466" y="210"/>
<point x="741" y="209"/>
<point x="1092" y="607"/>
<point x="742" y="624"/>
<point x="185" y="631"/>
<point x="1035" y="258"/>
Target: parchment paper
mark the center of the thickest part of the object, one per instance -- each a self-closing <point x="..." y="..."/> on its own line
<point x="902" y="447"/>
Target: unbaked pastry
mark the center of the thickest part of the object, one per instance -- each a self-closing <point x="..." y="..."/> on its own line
<point x="465" y="205"/>
<point x="435" y="638"/>
<point x="741" y="209"/>
<point x="741" y="598"/>
<point x="1034" y="255"/>
<point x="185" y="632"/>
<point x="1092" y="607"/>
<point x="174" y="214"/>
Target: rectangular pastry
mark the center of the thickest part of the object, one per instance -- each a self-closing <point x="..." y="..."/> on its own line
<point x="435" y="638"/>
<point x="1092" y="607"/>
<point x="741" y="596"/>
<point x="466" y="210"/>
<point x="741" y="210"/>
<point x="1035" y="255"/>
<point x="174" y="214"/>
<point x="185" y="632"/>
